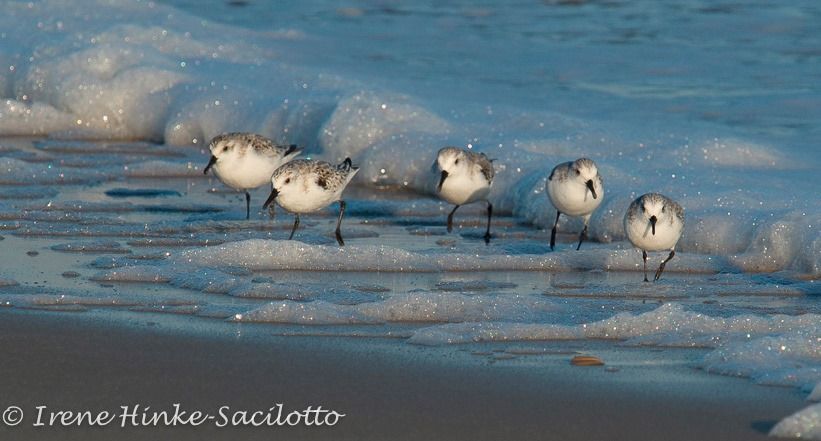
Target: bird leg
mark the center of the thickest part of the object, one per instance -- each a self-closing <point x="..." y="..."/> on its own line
<point x="644" y="257"/>
<point x="339" y="223"/>
<point x="582" y="236"/>
<point x="489" y="215"/>
<point x="661" y="267"/>
<point x="450" y="219"/>
<point x="553" y="233"/>
<point x="247" y="205"/>
<point x="296" y="224"/>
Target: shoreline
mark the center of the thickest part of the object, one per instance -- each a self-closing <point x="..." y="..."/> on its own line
<point x="387" y="390"/>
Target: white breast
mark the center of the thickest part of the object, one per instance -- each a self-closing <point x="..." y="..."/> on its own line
<point x="249" y="171"/>
<point x="460" y="189"/>
<point x="640" y="234"/>
<point x="307" y="201"/>
<point x="306" y="197"/>
<point x="572" y="197"/>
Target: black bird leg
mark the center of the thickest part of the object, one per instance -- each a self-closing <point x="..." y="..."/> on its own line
<point x="247" y="205"/>
<point x="553" y="233"/>
<point x="644" y="257"/>
<point x="661" y="267"/>
<point x="339" y="223"/>
<point x="450" y="219"/>
<point x="489" y="215"/>
<point x="296" y="224"/>
<point x="582" y="237"/>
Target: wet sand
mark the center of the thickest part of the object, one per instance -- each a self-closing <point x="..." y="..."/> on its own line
<point x="387" y="389"/>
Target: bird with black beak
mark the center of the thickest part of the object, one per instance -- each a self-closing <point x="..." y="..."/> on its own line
<point x="575" y="189"/>
<point x="654" y="222"/>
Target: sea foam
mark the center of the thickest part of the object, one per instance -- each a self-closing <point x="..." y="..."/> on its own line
<point x="142" y="70"/>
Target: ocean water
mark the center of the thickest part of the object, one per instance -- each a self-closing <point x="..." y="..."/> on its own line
<point x="108" y="105"/>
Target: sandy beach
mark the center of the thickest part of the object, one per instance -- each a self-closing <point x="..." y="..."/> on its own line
<point x="386" y="390"/>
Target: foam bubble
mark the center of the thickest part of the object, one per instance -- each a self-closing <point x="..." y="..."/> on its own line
<point x="417" y="307"/>
<point x="258" y="254"/>
<point x="775" y="350"/>
<point x="815" y="395"/>
<point x="134" y="273"/>
<point x="133" y="71"/>
<point x="804" y="424"/>
<point x="106" y="246"/>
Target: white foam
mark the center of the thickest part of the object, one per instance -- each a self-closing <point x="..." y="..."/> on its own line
<point x="260" y="254"/>
<point x="148" y="71"/>
<point x="102" y="246"/>
<point x="815" y="395"/>
<point x="276" y="291"/>
<point x="734" y="153"/>
<point x="135" y="273"/>
<point x="30" y="119"/>
<point x="318" y="312"/>
<point x="416" y="307"/>
<point x="790" y="357"/>
<point x="209" y="280"/>
<point x="775" y="350"/>
<point x="486" y="332"/>
<point x="804" y="424"/>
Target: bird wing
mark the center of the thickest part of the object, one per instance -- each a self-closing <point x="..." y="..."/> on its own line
<point x="485" y="166"/>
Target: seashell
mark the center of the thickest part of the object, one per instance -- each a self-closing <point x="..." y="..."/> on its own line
<point x="586" y="360"/>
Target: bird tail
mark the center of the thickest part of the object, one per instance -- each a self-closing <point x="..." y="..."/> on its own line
<point x="292" y="151"/>
<point x="346" y="165"/>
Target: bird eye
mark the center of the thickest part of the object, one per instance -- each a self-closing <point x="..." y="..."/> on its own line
<point x="662" y="208"/>
<point x="643" y="209"/>
<point x="578" y="172"/>
<point x="288" y="181"/>
<point x="456" y="161"/>
<point x="225" y="149"/>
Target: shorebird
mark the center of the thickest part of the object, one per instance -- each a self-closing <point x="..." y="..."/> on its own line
<point x="654" y="223"/>
<point x="305" y="186"/>
<point x="244" y="161"/>
<point x="464" y="177"/>
<point x="575" y="189"/>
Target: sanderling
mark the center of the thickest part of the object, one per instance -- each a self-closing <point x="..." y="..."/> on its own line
<point x="654" y="223"/>
<point x="464" y="177"/>
<point x="305" y="186"/>
<point x="575" y="189"/>
<point x="244" y="161"/>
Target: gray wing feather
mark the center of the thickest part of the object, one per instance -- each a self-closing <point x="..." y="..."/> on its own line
<point x="486" y="165"/>
<point x="560" y="171"/>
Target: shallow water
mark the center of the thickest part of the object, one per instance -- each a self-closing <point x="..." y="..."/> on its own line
<point x="182" y="246"/>
<point x="655" y="92"/>
<point x="658" y="93"/>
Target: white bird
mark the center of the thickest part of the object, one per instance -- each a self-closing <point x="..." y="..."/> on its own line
<point x="244" y="161"/>
<point x="654" y="223"/>
<point x="464" y="177"/>
<point x="305" y="186"/>
<point x="575" y="189"/>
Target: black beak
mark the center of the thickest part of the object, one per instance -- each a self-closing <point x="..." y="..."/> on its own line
<point x="590" y="187"/>
<point x="274" y="194"/>
<point x="653" y="221"/>
<point x="442" y="180"/>
<point x="211" y="162"/>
